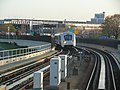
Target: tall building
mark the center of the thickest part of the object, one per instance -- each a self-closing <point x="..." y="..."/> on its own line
<point x="1" y="22"/>
<point x="98" y="18"/>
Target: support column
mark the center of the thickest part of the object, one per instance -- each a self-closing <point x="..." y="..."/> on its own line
<point x="38" y="80"/>
<point x="3" y="87"/>
<point x="55" y="71"/>
<point x="31" y="25"/>
<point x="63" y="66"/>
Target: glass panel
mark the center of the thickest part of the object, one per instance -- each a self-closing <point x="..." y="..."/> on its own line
<point x="68" y="37"/>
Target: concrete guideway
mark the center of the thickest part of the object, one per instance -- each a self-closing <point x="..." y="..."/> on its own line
<point x="115" y="54"/>
<point x="26" y="78"/>
<point x="14" y="55"/>
<point x="113" y="51"/>
<point x="79" y="73"/>
<point x="27" y="61"/>
<point x="101" y="84"/>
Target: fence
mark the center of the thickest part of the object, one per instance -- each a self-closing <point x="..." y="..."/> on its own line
<point x="8" y="56"/>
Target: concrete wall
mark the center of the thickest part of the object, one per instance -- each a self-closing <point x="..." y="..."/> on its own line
<point x="26" y="37"/>
<point x="24" y="42"/>
<point x="20" y="58"/>
<point x="104" y="42"/>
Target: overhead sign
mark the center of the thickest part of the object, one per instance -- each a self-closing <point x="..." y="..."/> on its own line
<point x="76" y="31"/>
<point x="71" y="30"/>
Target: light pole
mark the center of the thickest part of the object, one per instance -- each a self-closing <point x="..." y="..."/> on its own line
<point x="8" y="31"/>
<point x="16" y="32"/>
<point x="52" y="38"/>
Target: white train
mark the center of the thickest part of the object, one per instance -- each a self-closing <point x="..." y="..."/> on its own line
<point x="65" y="39"/>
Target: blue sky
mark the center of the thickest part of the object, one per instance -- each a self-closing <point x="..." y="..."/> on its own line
<point x="81" y="10"/>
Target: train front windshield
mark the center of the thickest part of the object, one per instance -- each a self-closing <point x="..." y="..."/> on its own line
<point x="68" y="37"/>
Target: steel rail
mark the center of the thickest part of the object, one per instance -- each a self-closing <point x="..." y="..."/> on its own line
<point x="23" y="70"/>
<point x="92" y="74"/>
<point x="111" y="68"/>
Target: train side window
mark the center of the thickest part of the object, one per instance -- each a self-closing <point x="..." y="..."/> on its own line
<point x="68" y="37"/>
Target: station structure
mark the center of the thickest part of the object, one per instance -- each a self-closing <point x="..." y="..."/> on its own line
<point x="46" y="26"/>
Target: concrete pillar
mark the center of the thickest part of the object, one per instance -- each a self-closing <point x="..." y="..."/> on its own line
<point x="55" y="71"/>
<point x="38" y="80"/>
<point x="63" y="66"/>
<point x="3" y="87"/>
<point x="30" y="25"/>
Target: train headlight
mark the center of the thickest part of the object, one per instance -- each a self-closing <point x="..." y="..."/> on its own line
<point x="64" y="42"/>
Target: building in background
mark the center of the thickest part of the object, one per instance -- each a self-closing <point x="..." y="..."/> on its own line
<point x="35" y="26"/>
<point x="86" y="30"/>
<point x="98" y="18"/>
<point x="46" y="27"/>
<point x="1" y="22"/>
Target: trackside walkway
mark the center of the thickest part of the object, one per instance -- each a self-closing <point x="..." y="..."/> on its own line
<point x="14" y="64"/>
<point x="114" y="51"/>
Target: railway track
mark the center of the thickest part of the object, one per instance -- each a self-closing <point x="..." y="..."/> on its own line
<point x="92" y="79"/>
<point x="29" y="82"/>
<point x="114" y="77"/>
<point x="7" y="77"/>
<point x="21" y="73"/>
<point x="105" y="74"/>
<point x="46" y="75"/>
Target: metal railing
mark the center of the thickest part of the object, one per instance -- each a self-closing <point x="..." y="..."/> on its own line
<point x="6" y="54"/>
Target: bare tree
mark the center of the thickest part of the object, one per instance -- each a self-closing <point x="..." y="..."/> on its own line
<point x="111" y="26"/>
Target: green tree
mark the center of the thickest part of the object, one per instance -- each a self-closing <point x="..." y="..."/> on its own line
<point x="4" y="28"/>
<point x="111" y="26"/>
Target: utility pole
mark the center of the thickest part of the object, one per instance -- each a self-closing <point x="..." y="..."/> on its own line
<point x="52" y="38"/>
<point x="8" y="32"/>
